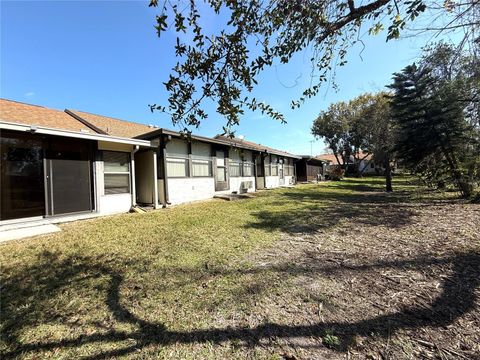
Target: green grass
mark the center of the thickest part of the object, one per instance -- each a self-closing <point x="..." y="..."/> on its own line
<point x="153" y="285"/>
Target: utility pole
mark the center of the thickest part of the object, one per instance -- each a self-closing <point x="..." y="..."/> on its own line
<point x="311" y="147"/>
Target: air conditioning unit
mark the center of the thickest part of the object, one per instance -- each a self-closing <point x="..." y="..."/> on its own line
<point x="245" y="185"/>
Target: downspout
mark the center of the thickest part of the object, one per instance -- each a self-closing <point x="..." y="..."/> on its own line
<point x="295" y="171"/>
<point x="264" y="172"/>
<point x="165" y="174"/>
<point x="255" y="171"/>
<point x="132" y="161"/>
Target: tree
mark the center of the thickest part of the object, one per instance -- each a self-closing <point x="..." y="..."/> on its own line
<point x="359" y="128"/>
<point x="347" y="130"/>
<point x="224" y="66"/>
<point x="429" y="114"/>
<point x="382" y="143"/>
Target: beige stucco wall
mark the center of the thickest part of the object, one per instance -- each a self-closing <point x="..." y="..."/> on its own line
<point x="144" y="177"/>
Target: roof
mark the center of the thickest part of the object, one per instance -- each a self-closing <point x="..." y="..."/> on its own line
<point x="332" y="159"/>
<point x="327" y="157"/>
<point x="111" y="126"/>
<point x="35" y="115"/>
<point x="313" y="160"/>
<point x="254" y="146"/>
<point x="84" y="122"/>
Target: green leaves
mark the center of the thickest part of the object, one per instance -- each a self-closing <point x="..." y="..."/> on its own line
<point x="161" y="24"/>
<point x="223" y="65"/>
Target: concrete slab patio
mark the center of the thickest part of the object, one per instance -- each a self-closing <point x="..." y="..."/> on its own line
<point x="24" y="232"/>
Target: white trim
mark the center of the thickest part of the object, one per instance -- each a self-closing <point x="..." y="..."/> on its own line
<point x="49" y="131"/>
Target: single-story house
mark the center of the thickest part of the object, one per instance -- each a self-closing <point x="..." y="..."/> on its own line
<point x="366" y="166"/>
<point x="72" y="162"/>
<point x="310" y="168"/>
<point x="53" y="164"/>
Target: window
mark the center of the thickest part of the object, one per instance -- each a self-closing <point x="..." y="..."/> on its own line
<point x="177" y="158"/>
<point x="248" y="165"/>
<point x="274" y="166"/>
<point x="248" y="168"/>
<point x="235" y="168"/>
<point x="267" y="165"/>
<point x="235" y="163"/>
<point x="116" y="170"/>
<point x="201" y="159"/>
<point x="288" y="167"/>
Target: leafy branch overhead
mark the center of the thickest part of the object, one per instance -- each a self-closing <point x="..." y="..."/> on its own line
<point x="224" y="66"/>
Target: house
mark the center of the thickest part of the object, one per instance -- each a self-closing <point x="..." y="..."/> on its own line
<point x="197" y="167"/>
<point x="52" y="164"/>
<point x="57" y="163"/>
<point x="366" y="166"/>
<point x="310" y="168"/>
<point x="192" y="167"/>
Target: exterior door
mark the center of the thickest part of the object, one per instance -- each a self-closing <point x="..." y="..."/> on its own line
<point x="221" y="174"/>
<point x="69" y="176"/>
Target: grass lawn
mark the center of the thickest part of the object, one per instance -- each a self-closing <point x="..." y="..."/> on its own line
<point x="333" y="270"/>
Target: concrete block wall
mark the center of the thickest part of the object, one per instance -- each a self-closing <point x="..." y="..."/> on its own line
<point x="272" y="182"/>
<point x="183" y="190"/>
<point x="260" y="182"/>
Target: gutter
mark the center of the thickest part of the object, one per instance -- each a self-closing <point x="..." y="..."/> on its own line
<point x="132" y="161"/>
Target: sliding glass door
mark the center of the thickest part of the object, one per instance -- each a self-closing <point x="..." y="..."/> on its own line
<point x="44" y="175"/>
<point x="22" y="178"/>
<point x="69" y="177"/>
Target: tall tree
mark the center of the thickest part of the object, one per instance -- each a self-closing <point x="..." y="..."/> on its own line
<point x="224" y="65"/>
<point x="430" y="120"/>
<point x="347" y="131"/>
<point x="382" y="142"/>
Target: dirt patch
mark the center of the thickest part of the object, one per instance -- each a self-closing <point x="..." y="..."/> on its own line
<point x="388" y="291"/>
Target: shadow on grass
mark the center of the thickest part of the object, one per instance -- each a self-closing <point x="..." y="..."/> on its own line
<point x="52" y="276"/>
<point x="321" y="206"/>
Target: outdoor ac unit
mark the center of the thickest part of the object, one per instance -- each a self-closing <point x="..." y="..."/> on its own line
<point x="245" y="185"/>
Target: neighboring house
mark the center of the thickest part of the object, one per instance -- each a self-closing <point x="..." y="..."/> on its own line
<point x="310" y="168"/>
<point x="366" y="166"/>
<point x="71" y="162"/>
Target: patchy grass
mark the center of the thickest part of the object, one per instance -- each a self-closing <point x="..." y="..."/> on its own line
<point x="315" y="271"/>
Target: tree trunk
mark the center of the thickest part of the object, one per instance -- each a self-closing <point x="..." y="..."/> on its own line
<point x="388" y="174"/>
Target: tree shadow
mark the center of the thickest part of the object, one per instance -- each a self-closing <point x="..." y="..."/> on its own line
<point x="320" y="208"/>
<point x="458" y="297"/>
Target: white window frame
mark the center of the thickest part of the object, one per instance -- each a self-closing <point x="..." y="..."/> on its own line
<point x="129" y="172"/>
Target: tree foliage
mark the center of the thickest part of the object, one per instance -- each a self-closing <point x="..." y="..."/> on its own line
<point x="224" y="66"/>
<point x="434" y="105"/>
<point x="355" y="129"/>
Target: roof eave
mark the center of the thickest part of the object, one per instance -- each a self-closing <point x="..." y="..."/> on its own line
<point x="6" y="125"/>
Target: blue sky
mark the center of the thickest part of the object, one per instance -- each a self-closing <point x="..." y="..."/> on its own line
<point x="104" y="57"/>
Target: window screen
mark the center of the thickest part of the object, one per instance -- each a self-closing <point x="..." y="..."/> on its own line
<point x="116" y="169"/>
<point x="267" y="166"/>
<point x="201" y="159"/>
<point x="177" y="158"/>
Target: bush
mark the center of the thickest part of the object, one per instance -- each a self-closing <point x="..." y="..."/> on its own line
<point x="336" y="173"/>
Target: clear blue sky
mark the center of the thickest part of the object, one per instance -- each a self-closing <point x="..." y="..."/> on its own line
<point x="105" y="58"/>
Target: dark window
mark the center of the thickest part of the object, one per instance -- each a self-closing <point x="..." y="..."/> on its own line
<point x="116" y="169"/>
